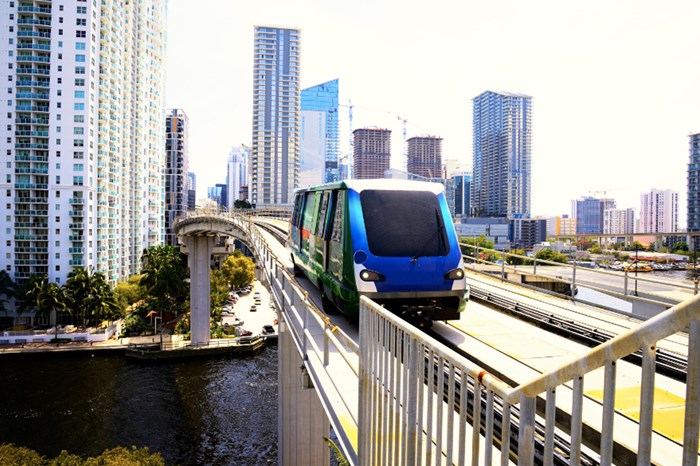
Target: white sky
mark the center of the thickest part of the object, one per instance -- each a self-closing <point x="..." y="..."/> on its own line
<point x="615" y="84"/>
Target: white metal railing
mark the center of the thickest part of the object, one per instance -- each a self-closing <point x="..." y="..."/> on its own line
<point x="413" y="390"/>
<point x="417" y="401"/>
<point x="331" y="358"/>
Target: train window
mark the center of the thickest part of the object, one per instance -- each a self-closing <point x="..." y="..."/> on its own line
<point x="309" y="208"/>
<point x="321" y="220"/>
<point x="337" y="226"/>
<point x="297" y="210"/>
<point x="404" y="223"/>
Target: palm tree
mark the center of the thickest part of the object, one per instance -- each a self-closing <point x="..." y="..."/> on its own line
<point x="90" y="292"/>
<point x="46" y="298"/>
<point x="164" y="274"/>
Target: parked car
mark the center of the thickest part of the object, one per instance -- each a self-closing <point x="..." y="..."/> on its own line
<point x="237" y="321"/>
<point x="253" y="308"/>
<point x="244" y="332"/>
<point x="268" y="329"/>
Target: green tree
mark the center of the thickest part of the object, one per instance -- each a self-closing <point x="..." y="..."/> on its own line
<point x="238" y="270"/>
<point x="596" y="250"/>
<point x="46" y="299"/>
<point x="242" y="204"/>
<point x="92" y="295"/>
<point x="518" y="260"/>
<point x="680" y="246"/>
<point x="549" y="255"/>
<point x="163" y="277"/>
<point x="129" y="292"/>
<point x="8" y="289"/>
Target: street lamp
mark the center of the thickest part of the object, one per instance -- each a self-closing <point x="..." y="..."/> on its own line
<point x="155" y="324"/>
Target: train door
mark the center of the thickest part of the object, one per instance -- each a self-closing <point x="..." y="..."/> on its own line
<point x="319" y="236"/>
<point x="295" y="222"/>
<point x="334" y="237"/>
<point x="307" y="217"/>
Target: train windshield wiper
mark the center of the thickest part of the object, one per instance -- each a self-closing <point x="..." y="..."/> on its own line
<point x="441" y="226"/>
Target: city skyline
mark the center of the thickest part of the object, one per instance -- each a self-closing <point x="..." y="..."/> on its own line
<point x="614" y="90"/>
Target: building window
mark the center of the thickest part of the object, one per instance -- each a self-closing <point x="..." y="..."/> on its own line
<point x="77" y="181"/>
<point x="80" y="58"/>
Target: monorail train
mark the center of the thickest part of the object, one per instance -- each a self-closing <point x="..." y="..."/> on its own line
<point x="390" y="240"/>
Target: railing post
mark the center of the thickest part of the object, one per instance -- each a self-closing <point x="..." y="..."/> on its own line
<point x="626" y="282"/>
<point x="692" y="397"/>
<point x="573" y="281"/>
<point x="503" y="268"/>
<point x="526" y="436"/>
<point x="534" y="269"/>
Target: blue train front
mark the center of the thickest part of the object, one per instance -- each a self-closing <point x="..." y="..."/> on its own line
<point x="390" y="240"/>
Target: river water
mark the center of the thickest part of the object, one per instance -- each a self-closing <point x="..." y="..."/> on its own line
<point x="216" y="411"/>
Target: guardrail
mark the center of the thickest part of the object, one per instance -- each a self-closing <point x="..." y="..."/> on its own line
<point x="331" y="358"/>
<point x="476" y="258"/>
<point x="420" y="398"/>
<point x="418" y="402"/>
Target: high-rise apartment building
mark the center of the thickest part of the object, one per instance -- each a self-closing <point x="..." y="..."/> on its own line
<point x="501" y="181"/>
<point x="425" y="156"/>
<point x="320" y="137"/>
<point x="191" y="191"/>
<point x="618" y="221"/>
<point x="83" y="150"/>
<point x="561" y="226"/>
<point x="371" y="152"/>
<point x="694" y="185"/>
<point x="176" y="168"/>
<point x="237" y="175"/>
<point x="276" y="116"/>
<point x="658" y="211"/>
<point x="588" y="212"/>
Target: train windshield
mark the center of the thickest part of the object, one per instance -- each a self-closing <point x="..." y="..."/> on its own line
<point x="404" y="223"/>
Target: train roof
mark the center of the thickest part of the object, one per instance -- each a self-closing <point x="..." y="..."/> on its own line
<point x="379" y="183"/>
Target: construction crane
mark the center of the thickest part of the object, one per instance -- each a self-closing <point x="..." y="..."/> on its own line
<point x="403" y="120"/>
<point x="351" y="145"/>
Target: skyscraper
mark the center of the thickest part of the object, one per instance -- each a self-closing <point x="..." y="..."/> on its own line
<point x="276" y="116"/>
<point x="425" y="156"/>
<point x="694" y="185"/>
<point x="658" y="212"/>
<point x="319" y="134"/>
<point x="502" y="155"/>
<point x="237" y="175"/>
<point x="84" y="157"/>
<point x="589" y="214"/>
<point x="462" y="184"/>
<point x="176" y="169"/>
<point x="371" y="153"/>
<point x="191" y="191"/>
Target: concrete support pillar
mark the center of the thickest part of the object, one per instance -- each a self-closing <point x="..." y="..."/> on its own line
<point x="200" y="249"/>
<point x="302" y="421"/>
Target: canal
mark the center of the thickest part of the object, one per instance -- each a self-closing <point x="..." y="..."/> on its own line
<point x="216" y="411"/>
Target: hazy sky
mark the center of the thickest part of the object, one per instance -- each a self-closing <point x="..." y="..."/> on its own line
<point x="615" y="84"/>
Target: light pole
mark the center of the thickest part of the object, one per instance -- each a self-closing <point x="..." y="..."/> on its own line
<point x="636" y="266"/>
<point x="155" y="324"/>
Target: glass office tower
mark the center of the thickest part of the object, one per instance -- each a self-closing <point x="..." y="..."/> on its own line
<point x="176" y="168"/>
<point x="320" y="136"/>
<point x="276" y="116"/>
<point x="694" y="186"/>
<point x="502" y="155"/>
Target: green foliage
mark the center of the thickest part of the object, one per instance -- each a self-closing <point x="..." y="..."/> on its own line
<point x="44" y="297"/>
<point x="163" y="277"/>
<point x="218" y="291"/>
<point x="92" y="299"/>
<point x="183" y="325"/>
<point x="129" y="292"/>
<point x="135" y="324"/>
<point x="238" y="270"/>
<point x="337" y="453"/>
<point x="242" y="204"/>
<point x="549" y="255"/>
<point x="8" y="289"/>
<point x="471" y="245"/>
<point x="518" y="260"/>
<point x="680" y="246"/>
<point x="11" y="455"/>
<point x="596" y="250"/>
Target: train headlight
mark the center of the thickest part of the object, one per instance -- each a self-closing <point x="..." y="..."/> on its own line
<point x="371" y="276"/>
<point x="455" y="274"/>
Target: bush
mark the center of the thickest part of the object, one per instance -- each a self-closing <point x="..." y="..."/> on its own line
<point x="11" y="455"/>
